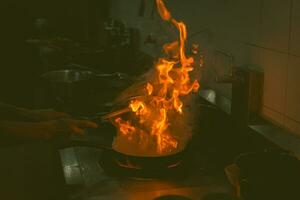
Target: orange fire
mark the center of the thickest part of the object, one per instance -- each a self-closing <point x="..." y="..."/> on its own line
<point x="161" y="101"/>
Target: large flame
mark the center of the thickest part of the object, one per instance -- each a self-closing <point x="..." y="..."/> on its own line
<point x="161" y="101"/>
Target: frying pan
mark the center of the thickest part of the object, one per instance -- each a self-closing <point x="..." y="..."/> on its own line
<point x="120" y="163"/>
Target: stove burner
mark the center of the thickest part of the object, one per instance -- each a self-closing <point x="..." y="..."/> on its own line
<point x="123" y="168"/>
<point x="129" y="165"/>
<point x="172" y="197"/>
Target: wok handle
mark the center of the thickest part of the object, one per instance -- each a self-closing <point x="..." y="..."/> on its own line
<point x="104" y="118"/>
<point x="114" y="114"/>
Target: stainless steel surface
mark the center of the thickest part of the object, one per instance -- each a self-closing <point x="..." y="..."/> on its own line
<point x="243" y="85"/>
<point x="280" y="137"/>
<point x="97" y="185"/>
<point x="231" y="76"/>
<point x="67" y="76"/>
<point x="71" y="167"/>
<point x="71" y="76"/>
<point x="63" y="83"/>
<point x="216" y="99"/>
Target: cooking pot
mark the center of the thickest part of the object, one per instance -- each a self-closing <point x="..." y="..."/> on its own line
<point x="266" y="175"/>
<point x="71" y="76"/>
<point x="63" y="81"/>
<point x="70" y="89"/>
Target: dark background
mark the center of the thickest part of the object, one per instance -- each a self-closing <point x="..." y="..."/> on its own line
<point x="20" y="66"/>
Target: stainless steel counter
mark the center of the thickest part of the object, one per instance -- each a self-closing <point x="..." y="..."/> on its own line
<point x="82" y="169"/>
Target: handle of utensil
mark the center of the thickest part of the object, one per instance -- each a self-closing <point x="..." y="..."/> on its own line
<point x="115" y="114"/>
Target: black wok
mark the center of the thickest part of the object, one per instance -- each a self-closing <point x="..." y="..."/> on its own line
<point x="120" y="163"/>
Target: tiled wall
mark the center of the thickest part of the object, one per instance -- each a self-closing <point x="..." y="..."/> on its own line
<point x="263" y="33"/>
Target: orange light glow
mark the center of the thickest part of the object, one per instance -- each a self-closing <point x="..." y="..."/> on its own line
<point x="162" y="100"/>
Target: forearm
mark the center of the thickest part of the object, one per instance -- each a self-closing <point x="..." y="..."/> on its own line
<point x="45" y="130"/>
<point x="9" y="112"/>
<point x="18" y="129"/>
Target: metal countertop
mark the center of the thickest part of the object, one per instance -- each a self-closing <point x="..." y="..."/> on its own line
<point x="82" y="169"/>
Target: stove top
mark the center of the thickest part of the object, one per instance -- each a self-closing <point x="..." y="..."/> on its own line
<point x="83" y="167"/>
<point x="121" y="166"/>
<point x="200" y="173"/>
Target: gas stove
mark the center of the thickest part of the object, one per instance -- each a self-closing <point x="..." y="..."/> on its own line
<point x="93" y="175"/>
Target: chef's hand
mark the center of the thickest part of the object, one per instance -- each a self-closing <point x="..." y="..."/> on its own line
<point x="11" y="112"/>
<point x="45" y="115"/>
<point x="63" y="127"/>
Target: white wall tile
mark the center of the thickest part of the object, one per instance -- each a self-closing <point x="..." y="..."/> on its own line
<point x="273" y="116"/>
<point x="295" y="34"/>
<point x="240" y="20"/>
<point x="293" y="89"/>
<point x="246" y="54"/>
<point x="275" y="66"/>
<point x="275" y="24"/>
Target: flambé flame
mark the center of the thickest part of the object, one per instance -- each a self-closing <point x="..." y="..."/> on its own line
<point x="161" y="101"/>
<point x="162" y="10"/>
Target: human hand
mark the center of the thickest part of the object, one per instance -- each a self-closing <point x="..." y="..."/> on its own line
<point x="60" y="127"/>
<point x="64" y="127"/>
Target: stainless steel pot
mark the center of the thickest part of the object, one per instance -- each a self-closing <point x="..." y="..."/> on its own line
<point x="67" y="76"/>
<point x="69" y="85"/>
<point x="62" y="82"/>
<point x="72" y="76"/>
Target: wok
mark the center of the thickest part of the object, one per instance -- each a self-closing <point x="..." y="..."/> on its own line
<point x="119" y="163"/>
